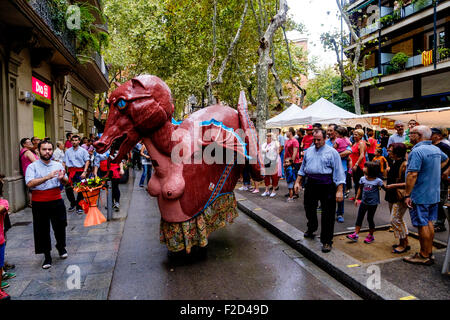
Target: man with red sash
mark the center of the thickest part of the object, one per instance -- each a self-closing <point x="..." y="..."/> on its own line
<point x="76" y="160"/>
<point x="44" y="177"/>
<point x="115" y="171"/>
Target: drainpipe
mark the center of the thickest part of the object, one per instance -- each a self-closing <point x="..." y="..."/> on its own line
<point x="435" y="35"/>
<point x="379" y="40"/>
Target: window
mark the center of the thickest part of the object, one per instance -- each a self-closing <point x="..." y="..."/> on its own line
<point x="78" y="120"/>
<point x="430" y="38"/>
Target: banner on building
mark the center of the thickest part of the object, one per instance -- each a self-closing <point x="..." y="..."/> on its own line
<point x="427" y="57"/>
<point x="384" y="123"/>
<point x="391" y="124"/>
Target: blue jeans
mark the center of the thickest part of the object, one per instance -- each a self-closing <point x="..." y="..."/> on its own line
<point x="282" y="163"/>
<point x="147" y="172"/>
<point x="340" y="205"/>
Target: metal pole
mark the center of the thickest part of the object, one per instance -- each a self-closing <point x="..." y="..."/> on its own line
<point x="108" y="200"/>
<point x="342" y="45"/>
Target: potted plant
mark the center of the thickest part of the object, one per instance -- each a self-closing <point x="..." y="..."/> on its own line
<point x="387" y="20"/>
<point x="398" y="62"/>
<point x="444" y="53"/>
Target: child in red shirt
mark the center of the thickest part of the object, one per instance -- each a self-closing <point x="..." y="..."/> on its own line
<point x="4" y="206"/>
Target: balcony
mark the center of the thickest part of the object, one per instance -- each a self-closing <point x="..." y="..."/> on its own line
<point x="443" y="55"/>
<point x="46" y="12"/>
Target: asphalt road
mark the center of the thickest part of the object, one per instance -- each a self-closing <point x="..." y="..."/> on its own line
<point x="244" y="261"/>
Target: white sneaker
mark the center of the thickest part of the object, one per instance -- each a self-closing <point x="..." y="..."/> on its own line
<point x="265" y="194"/>
<point x="273" y="194"/>
<point x="243" y="188"/>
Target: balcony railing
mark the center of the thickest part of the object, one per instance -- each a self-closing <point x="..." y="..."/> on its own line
<point x="442" y="55"/>
<point x="101" y="65"/>
<point x="388" y="16"/>
<point x="48" y="14"/>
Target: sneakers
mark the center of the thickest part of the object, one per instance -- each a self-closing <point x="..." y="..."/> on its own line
<point x="354" y="236"/>
<point x="326" y="248"/>
<point x="8" y="275"/>
<point x="340" y="219"/>
<point x="141" y="185"/>
<point x="47" y="262"/>
<point x="290" y="200"/>
<point x="417" y="258"/>
<point x="243" y="188"/>
<point x="63" y="253"/>
<point x="4" y="285"/>
<point x="369" y="239"/>
<point x="71" y="209"/>
<point x="116" y="206"/>
<point x="4" y="295"/>
<point x="265" y="194"/>
<point x="273" y="194"/>
<point x="255" y="191"/>
<point x="80" y="211"/>
<point x="352" y="199"/>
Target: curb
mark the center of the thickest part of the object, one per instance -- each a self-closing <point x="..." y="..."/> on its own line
<point x="344" y="268"/>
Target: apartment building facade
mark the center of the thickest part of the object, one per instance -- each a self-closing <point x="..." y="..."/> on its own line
<point x="406" y="53"/>
<point x="45" y="90"/>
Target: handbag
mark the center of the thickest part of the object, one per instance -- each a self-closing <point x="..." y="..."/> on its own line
<point x="401" y="192"/>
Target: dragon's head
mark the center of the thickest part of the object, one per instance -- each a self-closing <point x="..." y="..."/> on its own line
<point x="136" y="109"/>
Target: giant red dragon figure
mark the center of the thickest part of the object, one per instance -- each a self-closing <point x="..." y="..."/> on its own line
<point x="195" y="195"/>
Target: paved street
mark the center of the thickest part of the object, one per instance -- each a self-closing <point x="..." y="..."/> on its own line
<point x="244" y="261"/>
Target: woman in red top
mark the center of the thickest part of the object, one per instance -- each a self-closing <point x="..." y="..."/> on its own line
<point x="358" y="157"/>
<point x="372" y="145"/>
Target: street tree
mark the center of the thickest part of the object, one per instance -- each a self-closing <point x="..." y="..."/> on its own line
<point x="349" y="68"/>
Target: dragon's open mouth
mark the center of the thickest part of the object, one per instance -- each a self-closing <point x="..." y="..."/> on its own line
<point x="115" y="147"/>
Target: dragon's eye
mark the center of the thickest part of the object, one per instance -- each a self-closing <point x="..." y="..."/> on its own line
<point x="121" y="104"/>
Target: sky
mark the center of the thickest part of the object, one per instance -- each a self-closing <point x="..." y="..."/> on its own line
<point x="318" y="16"/>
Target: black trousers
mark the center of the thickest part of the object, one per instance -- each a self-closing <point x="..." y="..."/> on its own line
<point x="357" y="175"/>
<point x="326" y="194"/>
<point x="370" y="209"/>
<point x="114" y="185"/>
<point x="44" y="214"/>
<point x="70" y="194"/>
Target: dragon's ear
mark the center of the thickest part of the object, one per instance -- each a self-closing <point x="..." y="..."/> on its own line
<point x="136" y="83"/>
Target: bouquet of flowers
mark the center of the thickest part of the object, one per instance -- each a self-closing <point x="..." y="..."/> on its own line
<point x="90" y="188"/>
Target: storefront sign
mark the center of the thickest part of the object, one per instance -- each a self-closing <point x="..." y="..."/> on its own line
<point x="376" y="121"/>
<point x="41" y="90"/>
<point x="391" y="124"/>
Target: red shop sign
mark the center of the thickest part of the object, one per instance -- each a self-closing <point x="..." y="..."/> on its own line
<point x="41" y="89"/>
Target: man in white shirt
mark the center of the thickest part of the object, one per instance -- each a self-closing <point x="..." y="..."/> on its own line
<point x="58" y="155"/>
<point x="44" y="177"/>
<point x="398" y="137"/>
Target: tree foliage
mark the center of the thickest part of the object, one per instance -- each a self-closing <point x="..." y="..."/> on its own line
<point x="327" y="85"/>
<point x="173" y="40"/>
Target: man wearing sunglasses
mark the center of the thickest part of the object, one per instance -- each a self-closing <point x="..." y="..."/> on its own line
<point x="422" y="193"/>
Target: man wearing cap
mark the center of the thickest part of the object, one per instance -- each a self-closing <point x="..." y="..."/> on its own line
<point x="325" y="177"/>
<point x="422" y="192"/>
<point x="398" y="137"/>
<point x="437" y="138"/>
<point x="44" y="177"/>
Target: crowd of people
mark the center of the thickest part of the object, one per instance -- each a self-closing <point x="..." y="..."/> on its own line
<point x="411" y="166"/>
<point x="50" y="169"/>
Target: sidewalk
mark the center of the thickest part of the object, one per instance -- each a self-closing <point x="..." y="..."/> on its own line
<point x="92" y="251"/>
<point x="349" y="262"/>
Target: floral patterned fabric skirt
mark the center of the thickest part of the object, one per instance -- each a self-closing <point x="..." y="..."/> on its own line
<point x="195" y="232"/>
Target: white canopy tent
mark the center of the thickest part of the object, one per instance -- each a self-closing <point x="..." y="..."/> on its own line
<point x="282" y="120"/>
<point x="321" y="111"/>
<point x="439" y="117"/>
